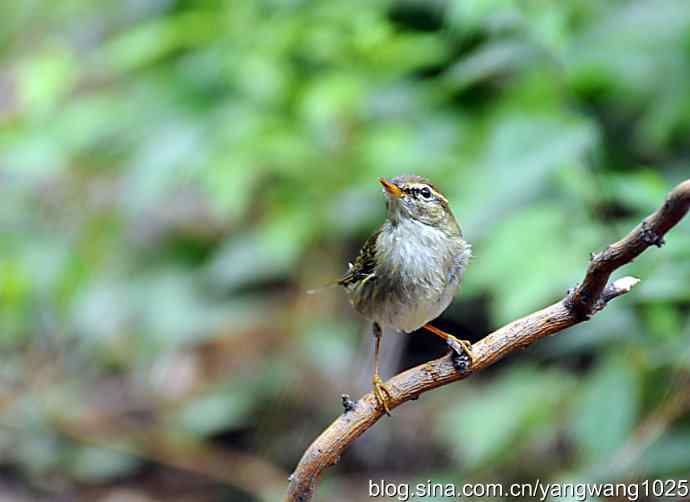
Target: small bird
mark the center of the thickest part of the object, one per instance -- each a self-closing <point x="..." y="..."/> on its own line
<point x="407" y="272"/>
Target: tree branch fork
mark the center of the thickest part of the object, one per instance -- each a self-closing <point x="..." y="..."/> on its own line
<point x="580" y="304"/>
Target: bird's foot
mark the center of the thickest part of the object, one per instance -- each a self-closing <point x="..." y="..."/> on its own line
<point x="463" y="359"/>
<point x="383" y="395"/>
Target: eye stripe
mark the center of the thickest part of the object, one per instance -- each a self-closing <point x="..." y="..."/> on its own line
<point x="425" y="191"/>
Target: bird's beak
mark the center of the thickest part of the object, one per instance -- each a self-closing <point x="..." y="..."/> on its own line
<point x="391" y="188"/>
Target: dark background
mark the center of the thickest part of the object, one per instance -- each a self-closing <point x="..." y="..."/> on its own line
<point x="174" y="175"/>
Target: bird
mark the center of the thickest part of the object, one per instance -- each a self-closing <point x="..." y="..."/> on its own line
<point x="407" y="272"/>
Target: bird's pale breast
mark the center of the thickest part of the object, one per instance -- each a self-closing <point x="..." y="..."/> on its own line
<point x="419" y="269"/>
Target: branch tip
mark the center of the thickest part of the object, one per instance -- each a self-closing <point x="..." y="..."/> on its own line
<point x="626" y="284"/>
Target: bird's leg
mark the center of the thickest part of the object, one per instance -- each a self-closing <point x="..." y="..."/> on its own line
<point x="381" y="392"/>
<point x="462" y="348"/>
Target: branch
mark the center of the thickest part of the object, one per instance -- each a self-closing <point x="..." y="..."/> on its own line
<point x="591" y="296"/>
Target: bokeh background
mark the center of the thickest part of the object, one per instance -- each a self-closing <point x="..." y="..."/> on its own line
<point x="176" y="174"/>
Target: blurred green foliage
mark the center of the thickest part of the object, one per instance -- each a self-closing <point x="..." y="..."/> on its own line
<point x="176" y="173"/>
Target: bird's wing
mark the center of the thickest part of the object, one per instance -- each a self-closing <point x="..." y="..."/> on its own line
<point x="364" y="265"/>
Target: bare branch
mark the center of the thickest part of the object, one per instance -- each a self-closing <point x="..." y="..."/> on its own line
<point x="585" y="300"/>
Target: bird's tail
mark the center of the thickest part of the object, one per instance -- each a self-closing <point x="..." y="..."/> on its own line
<point x="321" y="288"/>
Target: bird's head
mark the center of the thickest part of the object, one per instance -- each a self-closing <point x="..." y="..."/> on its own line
<point x="413" y="197"/>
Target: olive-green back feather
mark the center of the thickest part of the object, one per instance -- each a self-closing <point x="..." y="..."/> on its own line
<point x="364" y="264"/>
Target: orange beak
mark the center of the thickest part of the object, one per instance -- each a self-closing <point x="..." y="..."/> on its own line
<point x="391" y="188"/>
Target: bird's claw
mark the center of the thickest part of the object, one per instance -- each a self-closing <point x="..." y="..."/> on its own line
<point x="463" y="359"/>
<point x="382" y="394"/>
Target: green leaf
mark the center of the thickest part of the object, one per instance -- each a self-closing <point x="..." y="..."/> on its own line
<point x="525" y="271"/>
<point x="101" y="464"/>
<point x="502" y="414"/>
<point x="606" y="409"/>
<point x="215" y="412"/>
<point x="667" y="456"/>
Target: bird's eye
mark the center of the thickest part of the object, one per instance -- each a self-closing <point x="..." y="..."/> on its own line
<point x="425" y="192"/>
